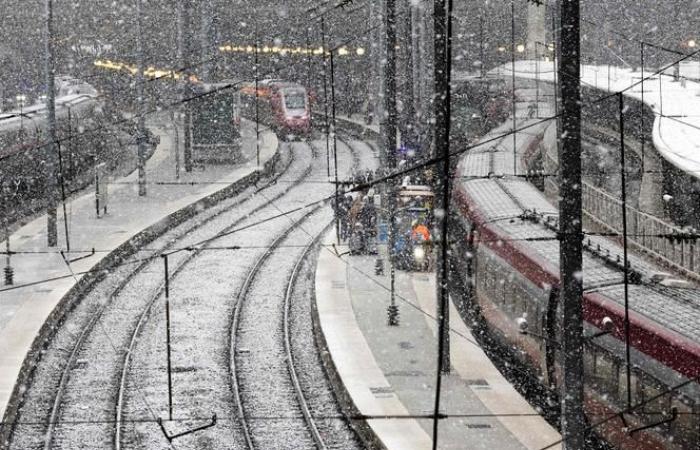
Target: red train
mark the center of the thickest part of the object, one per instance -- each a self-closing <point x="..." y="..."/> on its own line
<point x="283" y="106"/>
<point x="505" y="276"/>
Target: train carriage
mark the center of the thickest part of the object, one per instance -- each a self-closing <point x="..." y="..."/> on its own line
<point x="284" y="106"/>
<point x="504" y="271"/>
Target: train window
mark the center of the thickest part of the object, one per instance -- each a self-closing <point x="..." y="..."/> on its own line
<point x="685" y="430"/>
<point x="651" y="390"/>
<point x="606" y="375"/>
<point x="588" y="362"/>
<point x="622" y="384"/>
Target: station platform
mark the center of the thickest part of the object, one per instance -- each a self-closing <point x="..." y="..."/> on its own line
<point x="42" y="276"/>
<point x="675" y="103"/>
<point x="389" y="372"/>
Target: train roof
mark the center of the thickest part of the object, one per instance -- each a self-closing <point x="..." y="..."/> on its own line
<point x="515" y="212"/>
<point x="13" y="119"/>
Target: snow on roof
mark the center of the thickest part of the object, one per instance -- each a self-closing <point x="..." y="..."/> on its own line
<point x="676" y="105"/>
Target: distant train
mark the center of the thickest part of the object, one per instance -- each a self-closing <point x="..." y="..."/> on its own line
<point x="85" y="138"/>
<point x="283" y="106"/>
<point x="505" y="279"/>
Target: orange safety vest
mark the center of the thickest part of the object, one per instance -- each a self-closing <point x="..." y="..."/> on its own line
<point x="421" y="230"/>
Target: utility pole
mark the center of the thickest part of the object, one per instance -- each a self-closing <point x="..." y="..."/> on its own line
<point x="390" y="146"/>
<point x="443" y="69"/>
<point x="141" y="102"/>
<point x="325" y="96"/>
<point x="570" y="228"/>
<point x="184" y="53"/>
<point x="206" y="38"/>
<point x="257" y="94"/>
<point x="512" y="68"/>
<point x="51" y="185"/>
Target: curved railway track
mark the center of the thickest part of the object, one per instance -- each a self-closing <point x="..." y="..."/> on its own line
<point x="106" y="386"/>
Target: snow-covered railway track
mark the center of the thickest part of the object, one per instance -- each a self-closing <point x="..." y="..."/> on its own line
<point x="281" y="400"/>
<point x="103" y="382"/>
<point x="68" y="361"/>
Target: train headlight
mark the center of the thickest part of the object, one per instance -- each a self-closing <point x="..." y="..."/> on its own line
<point x="419" y="253"/>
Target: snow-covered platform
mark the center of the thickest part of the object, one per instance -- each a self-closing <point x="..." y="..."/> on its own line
<point x="43" y="276"/>
<point x="674" y="102"/>
<point x="390" y="371"/>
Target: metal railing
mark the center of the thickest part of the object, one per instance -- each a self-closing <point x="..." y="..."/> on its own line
<point x="662" y="240"/>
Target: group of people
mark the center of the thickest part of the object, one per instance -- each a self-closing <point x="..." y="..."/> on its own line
<point x="357" y="216"/>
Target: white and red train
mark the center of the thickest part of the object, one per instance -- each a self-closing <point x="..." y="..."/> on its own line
<point x="282" y="105"/>
<point x="505" y="275"/>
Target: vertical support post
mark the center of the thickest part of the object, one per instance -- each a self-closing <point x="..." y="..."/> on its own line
<point x="257" y="108"/>
<point x="571" y="232"/>
<point x="52" y="226"/>
<point x="641" y="110"/>
<point x="206" y="38"/>
<point x="512" y="68"/>
<point x="390" y="146"/>
<point x="309" y="67"/>
<point x="325" y="97"/>
<point x="9" y="271"/>
<point x="443" y="68"/>
<point x="141" y="102"/>
<point x="62" y="182"/>
<point x="167" y="336"/>
<point x="335" y="148"/>
<point x="184" y="47"/>
<point x="481" y="46"/>
<point x="623" y="181"/>
<point x="537" y="81"/>
<point x="409" y="109"/>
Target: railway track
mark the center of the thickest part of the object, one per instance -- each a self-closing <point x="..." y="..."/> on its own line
<point x="103" y="381"/>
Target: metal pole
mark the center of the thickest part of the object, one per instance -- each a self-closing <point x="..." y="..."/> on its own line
<point x="390" y="146"/>
<point x="141" y="102"/>
<point x="481" y="46"/>
<point x="443" y="68"/>
<point x="63" y="196"/>
<point x="641" y="108"/>
<point x="623" y="180"/>
<point x="52" y="229"/>
<point x="325" y="97"/>
<point x="9" y="271"/>
<point x="206" y="38"/>
<point x="335" y="149"/>
<point x="512" y="61"/>
<point x="537" y="81"/>
<point x="409" y="112"/>
<point x="309" y="66"/>
<point x="571" y="232"/>
<point x="257" y="108"/>
<point x="167" y="337"/>
<point x="185" y="55"/>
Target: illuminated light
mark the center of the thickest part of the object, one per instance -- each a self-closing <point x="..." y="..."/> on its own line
<point x="501" y="49"/>
<point x="266" y="49"/>
<point x="360" y="51"/>
<point x="342" y="51"/>
<point x="275" y="49"/>
<point x="692" y="43"/>
<point x="520" y="48"/>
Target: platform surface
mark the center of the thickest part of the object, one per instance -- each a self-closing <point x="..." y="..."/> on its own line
<point x="26" y="305"/>
<point x="391" y="370"/>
